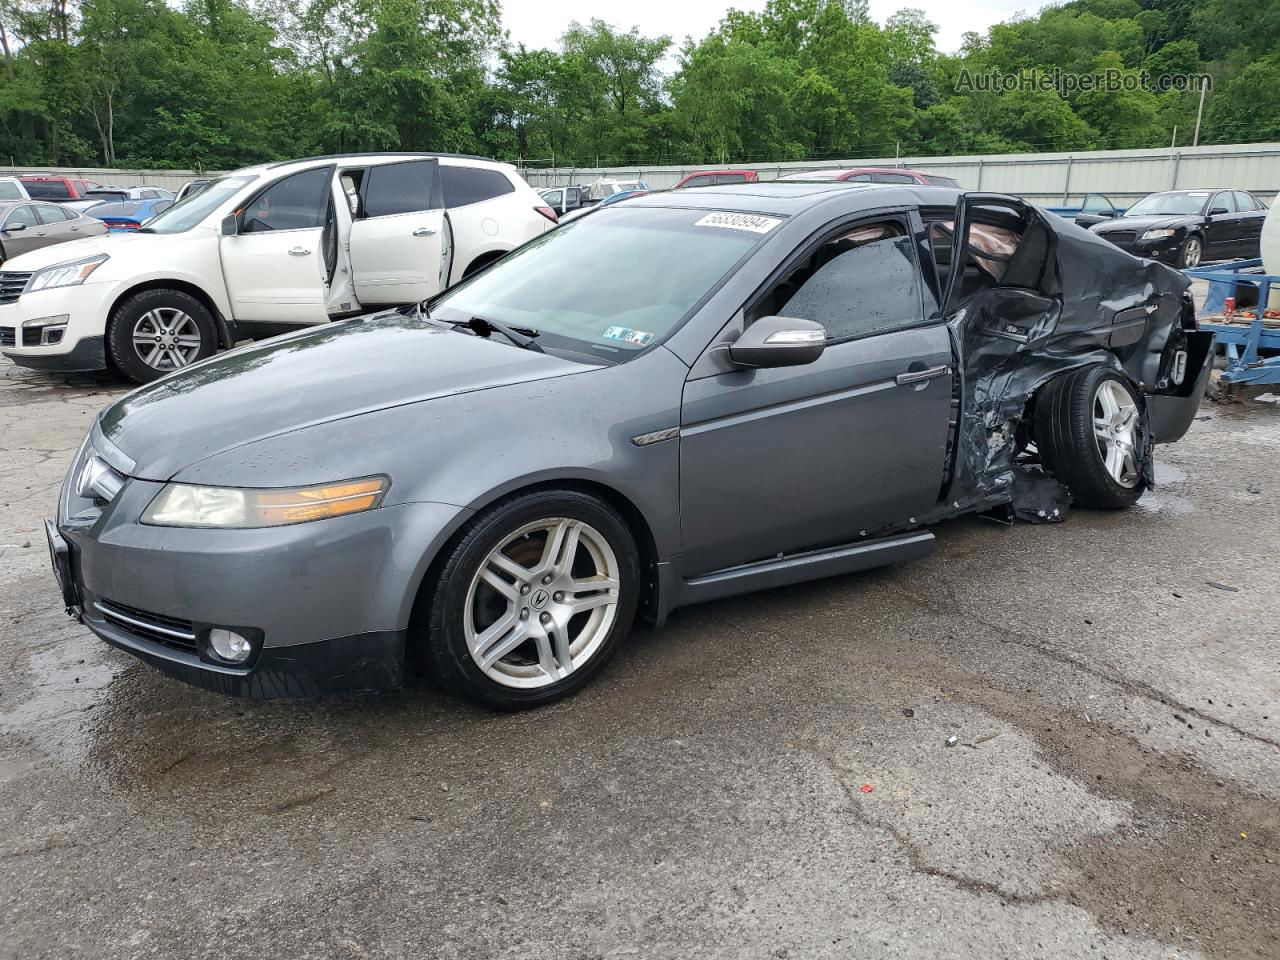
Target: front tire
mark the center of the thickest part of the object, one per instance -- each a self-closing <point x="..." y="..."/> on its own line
<point x="532" y="600"/>
<point x="1090" y="428"/>
<point x="158" y="331"/>
<point x="1191" y="252"/>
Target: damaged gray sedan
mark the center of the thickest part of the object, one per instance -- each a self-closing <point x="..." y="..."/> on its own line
<point x="685" y="397"/>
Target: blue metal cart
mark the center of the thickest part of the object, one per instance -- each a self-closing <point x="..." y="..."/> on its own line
<point x="1251" y="341"/>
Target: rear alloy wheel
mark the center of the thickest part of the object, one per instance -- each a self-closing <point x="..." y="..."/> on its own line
<point x="1191" y="253"/>
<point x="159" y="331"/>
<point x="533" y="600"/>
<point x="1089" y="430"/>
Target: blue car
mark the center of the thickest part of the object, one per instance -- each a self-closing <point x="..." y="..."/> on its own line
<point x="125" y="216"/>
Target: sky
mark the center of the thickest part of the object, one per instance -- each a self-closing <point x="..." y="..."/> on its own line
<point x="539" y="24"/>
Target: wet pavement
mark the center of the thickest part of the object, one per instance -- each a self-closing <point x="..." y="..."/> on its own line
<point x="766" y="777"/>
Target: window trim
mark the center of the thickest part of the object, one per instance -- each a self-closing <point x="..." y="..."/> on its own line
<point x="9" y="216"/>
<point x="62" y="213"/>
<point x="240" y="211"/>
<point x="437" y="188"/>
<point x="1230" y="204"/>
<point x="905" y="219"/>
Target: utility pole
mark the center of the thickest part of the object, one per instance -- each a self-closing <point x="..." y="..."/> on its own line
<point x="1174" y="142"/>
<point x="1195" y="142"/>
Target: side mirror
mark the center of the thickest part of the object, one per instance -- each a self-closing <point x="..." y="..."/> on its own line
<point x="15" y="227"/>
<point x="1214" y="211"/>
<point x="779" y="342"/>
<point x="1106" y="214"/>
<point x="230" y="225"/>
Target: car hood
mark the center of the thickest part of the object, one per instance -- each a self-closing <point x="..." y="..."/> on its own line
<point x="80" y="249"/>
<point x="315" y="376"/>
<point x="1140" y="223"/>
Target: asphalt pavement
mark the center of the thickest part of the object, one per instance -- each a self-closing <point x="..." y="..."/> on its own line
<point x="766" y="777"/>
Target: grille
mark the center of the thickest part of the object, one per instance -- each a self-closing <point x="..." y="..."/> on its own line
<point x="168" y="631"/>
<point x="31" y="337"/>
<point x="6" y="337"/>
<point x="12" y="283"/>
<point x="1120" y="237"/>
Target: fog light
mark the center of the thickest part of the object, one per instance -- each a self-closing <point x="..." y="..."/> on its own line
<point x="229" y="645"/>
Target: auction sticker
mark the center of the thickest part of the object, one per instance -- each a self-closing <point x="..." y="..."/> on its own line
<point x="637" y="338"/>
<point x="739" y="221"/>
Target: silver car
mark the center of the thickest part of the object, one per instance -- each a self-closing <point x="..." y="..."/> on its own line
<point x="30" y="225"/>
<point x="685" y="397"/>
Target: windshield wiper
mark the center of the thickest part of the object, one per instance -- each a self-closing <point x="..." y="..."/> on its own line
<point x="483" y="327"/>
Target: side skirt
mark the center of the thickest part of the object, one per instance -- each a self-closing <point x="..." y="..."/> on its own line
<point x="798" y="567"/>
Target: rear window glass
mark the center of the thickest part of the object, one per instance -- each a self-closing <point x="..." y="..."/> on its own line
<point x="51" y="189"/>
<point x="126" y="208"/>
<point x="10" y="191"/>
<point x="466" y="185"/>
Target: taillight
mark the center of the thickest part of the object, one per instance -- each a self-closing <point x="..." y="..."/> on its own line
<point x="549" y="213"/>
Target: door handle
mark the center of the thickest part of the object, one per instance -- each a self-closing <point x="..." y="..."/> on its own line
<point x="424" y="232"/>
<point x="299" y="252"/>
<point x="916" y="376"/>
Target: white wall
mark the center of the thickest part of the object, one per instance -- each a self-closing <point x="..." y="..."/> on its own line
<point x="1052" y="179"/>
<point x="169" y="179"/>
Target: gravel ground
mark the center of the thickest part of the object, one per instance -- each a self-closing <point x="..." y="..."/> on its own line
<point x="766" y="777"/>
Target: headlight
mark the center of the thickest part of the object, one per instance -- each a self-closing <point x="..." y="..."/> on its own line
<point x="189" y="505"/>
<point x="65" y="274"/>
<point x="1159" y="234"/>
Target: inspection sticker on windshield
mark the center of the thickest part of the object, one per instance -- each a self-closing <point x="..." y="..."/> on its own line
<point x="637" y="338"/>
<point x="739" y="221"/>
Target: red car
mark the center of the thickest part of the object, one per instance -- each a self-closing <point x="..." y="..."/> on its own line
<point x="57" y="188"/>
<point x="707" y="178"/>
<point x="877" y="175"/>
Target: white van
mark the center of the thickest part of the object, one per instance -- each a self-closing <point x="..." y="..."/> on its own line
<point x="260" y="251"/>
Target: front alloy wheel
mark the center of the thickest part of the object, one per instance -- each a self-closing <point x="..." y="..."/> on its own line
<point x="166" y="338"/>
<point x="1192" y="251"/>
<point x="542" y="603"/>
<point x="530" y="600"/>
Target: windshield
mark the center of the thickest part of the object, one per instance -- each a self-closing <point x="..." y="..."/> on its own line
<point x="1169" y="204"/>
<point x="194" y="207"/>
<point x="609" y="284"/>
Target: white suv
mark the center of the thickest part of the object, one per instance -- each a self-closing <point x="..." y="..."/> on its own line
<point x="261" y="251"/>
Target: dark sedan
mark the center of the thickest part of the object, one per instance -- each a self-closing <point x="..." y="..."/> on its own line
<point x="678" y="398"/>
<point x="1185" y="227"/>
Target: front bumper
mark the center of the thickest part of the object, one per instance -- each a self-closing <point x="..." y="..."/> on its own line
<point x="81" y="347"/>
<point x="327" y="602"/>
<point x="1165" y="249"/>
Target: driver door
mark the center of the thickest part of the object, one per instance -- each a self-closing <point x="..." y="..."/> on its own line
<point x="273" y="265"/>
<point x="776" y="461"/>
<point x="399" y="241"/>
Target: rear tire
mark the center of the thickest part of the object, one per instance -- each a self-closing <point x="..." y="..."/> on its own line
<point x="1088" y="428"/>
<point x="158" y="331"/>
<point x="531" y="600"/>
